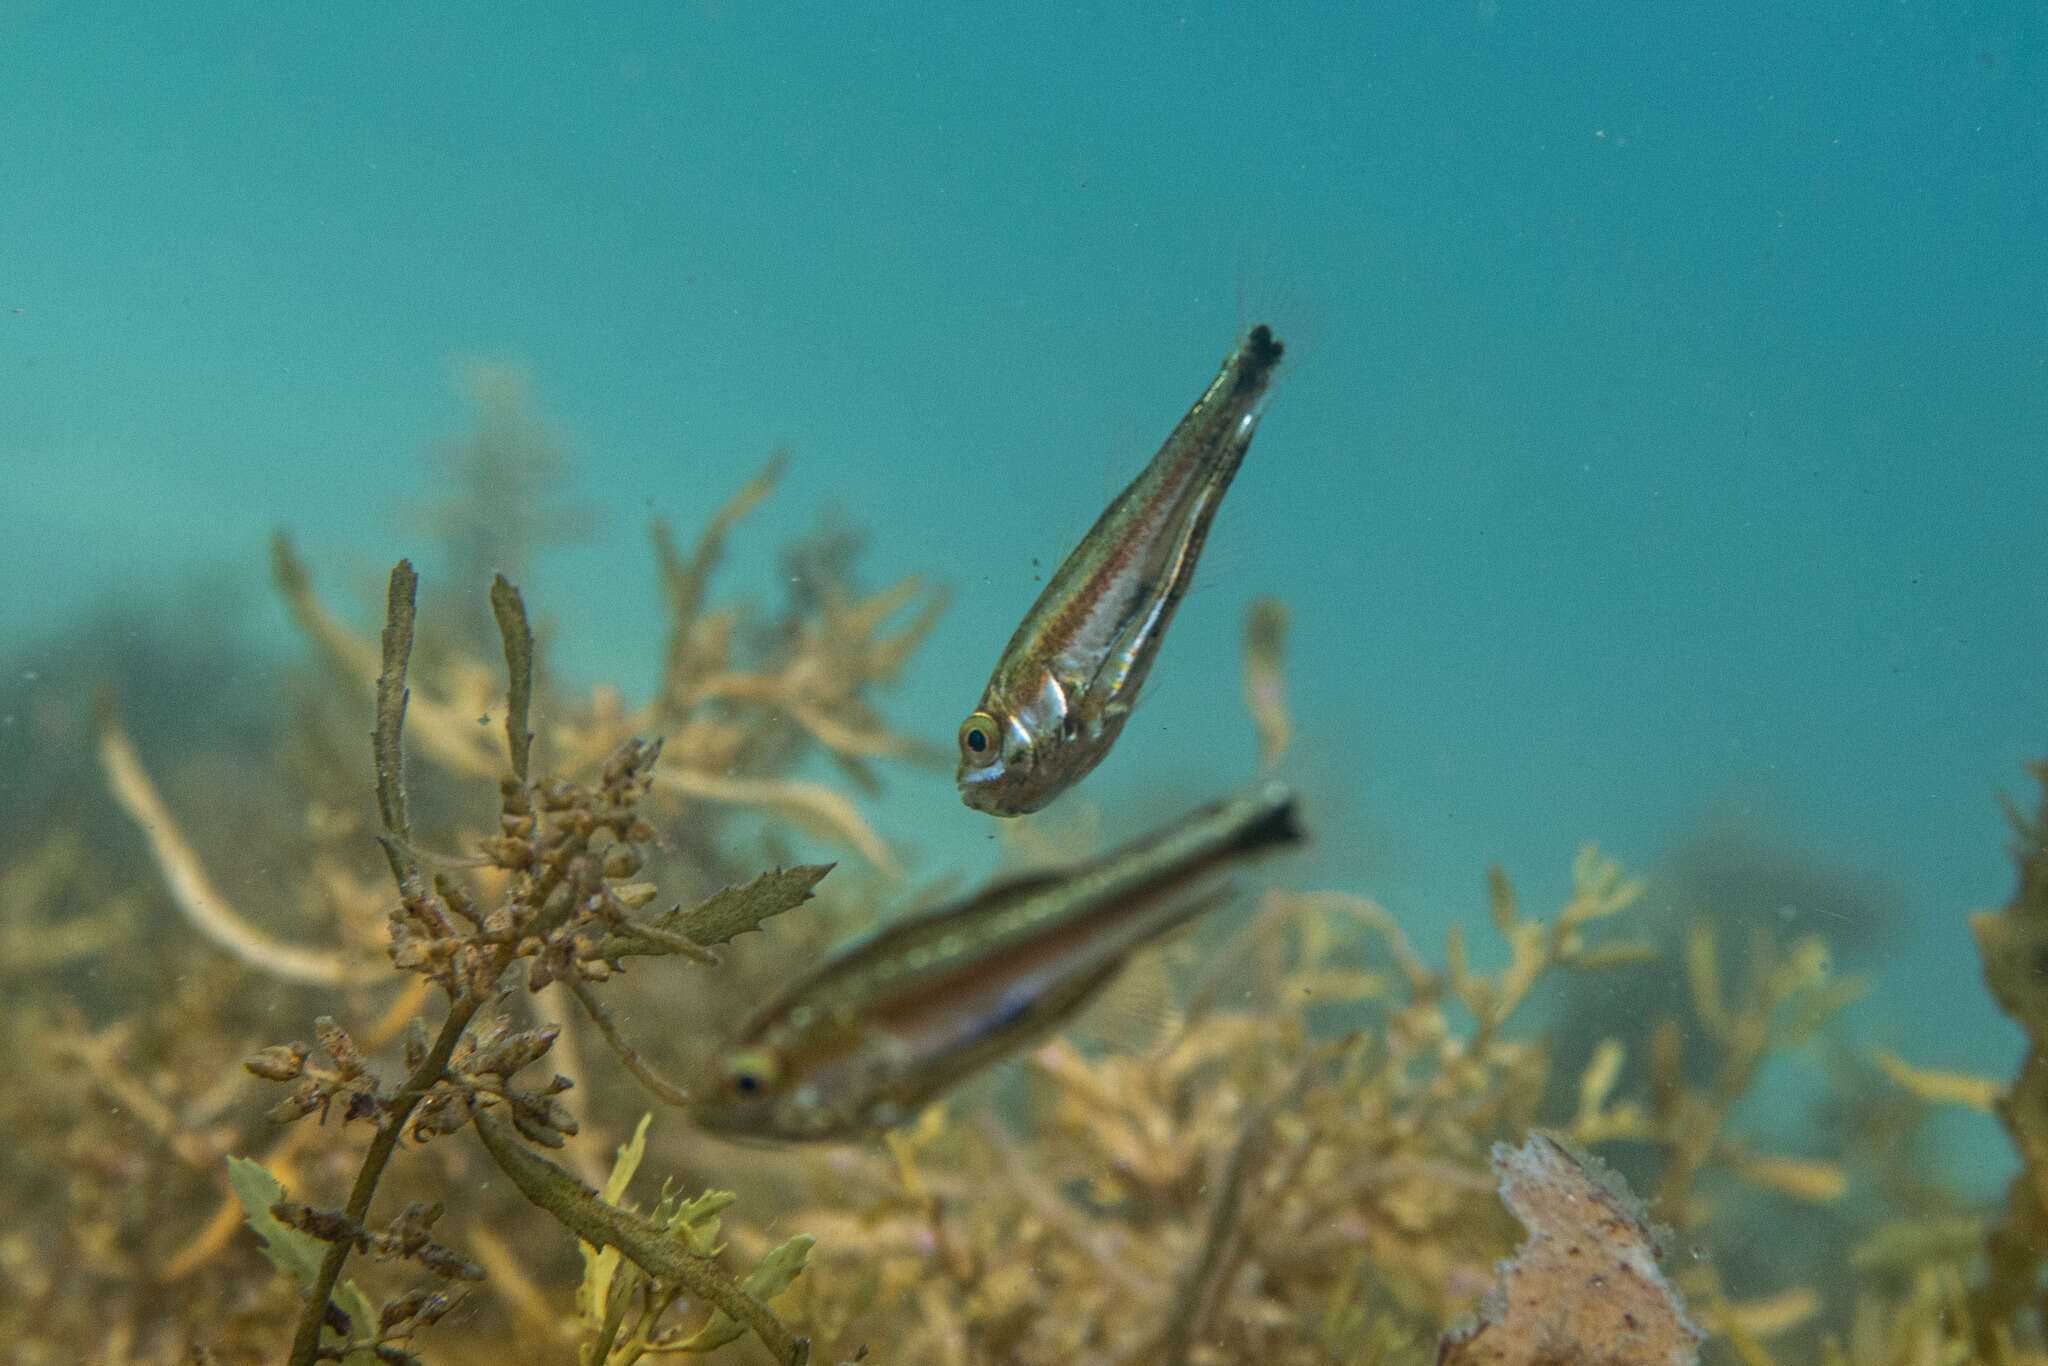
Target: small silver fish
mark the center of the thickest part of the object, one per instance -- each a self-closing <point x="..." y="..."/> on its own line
<point x="1066" y="682"/>
<point x="885" y="1028"/>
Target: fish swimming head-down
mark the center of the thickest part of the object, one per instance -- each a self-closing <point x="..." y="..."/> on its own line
<point x="1066" y="683"/>
<point x="1016" y="756"/>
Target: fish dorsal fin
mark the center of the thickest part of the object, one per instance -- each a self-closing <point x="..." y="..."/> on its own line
<point x="934" y="894"/>
<point x="1012" y="887"/>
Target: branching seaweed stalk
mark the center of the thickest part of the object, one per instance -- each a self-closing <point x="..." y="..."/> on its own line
<point x="648" y="1245"/>
<point x="660" y="1087"/>
<point x="510" y="611"/>
<point x="391" y="700"/>
<point x="1195" y="1295"/>
<point x="562" y="886"/>
<point x="391" y="697"/>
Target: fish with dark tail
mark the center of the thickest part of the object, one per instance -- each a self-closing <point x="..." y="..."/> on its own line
<point x="882" y="1030"/>
<point x="1066" y="683"/>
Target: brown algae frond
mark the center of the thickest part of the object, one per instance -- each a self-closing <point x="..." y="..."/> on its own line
<point x="564" y="850"/>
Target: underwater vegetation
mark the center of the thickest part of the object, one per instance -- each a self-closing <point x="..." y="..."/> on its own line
<point x="356" y="1026"/>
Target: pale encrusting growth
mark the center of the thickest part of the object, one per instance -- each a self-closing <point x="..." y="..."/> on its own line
<point x="1585" y="1287"/>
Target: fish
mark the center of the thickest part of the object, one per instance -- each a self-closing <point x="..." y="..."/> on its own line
<point x="1064" y="686"/>
<point x="880" y="1031"/>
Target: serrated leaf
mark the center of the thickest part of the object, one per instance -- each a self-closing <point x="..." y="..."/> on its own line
<point x="736" y="910"/>
<point x="697" y="1222"/>
<point x="295" y="1253"/>
<point x="770" y="1277"/>
<point x="627" y="1163"/>
<point x="773" y="1273"/>
<point x="619" y="1297"/>
<point x="716" y="1332"/>
<point x="600" y="1263"/>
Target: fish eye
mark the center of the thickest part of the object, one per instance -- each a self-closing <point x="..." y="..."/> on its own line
<point x="751" y="1072"/>
<point x="981" y="740"/>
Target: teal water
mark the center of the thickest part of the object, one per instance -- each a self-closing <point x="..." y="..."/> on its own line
<point x="1660" y="448"/>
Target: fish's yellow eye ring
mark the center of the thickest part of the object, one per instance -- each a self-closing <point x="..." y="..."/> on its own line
<point x="753" y="1071"/>
<point x="981" y="740"/>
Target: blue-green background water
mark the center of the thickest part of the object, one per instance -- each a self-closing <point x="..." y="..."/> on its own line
<point x="1660" y="448"/>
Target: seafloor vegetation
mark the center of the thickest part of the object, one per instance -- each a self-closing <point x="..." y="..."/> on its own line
<point x="352" y="1024"/>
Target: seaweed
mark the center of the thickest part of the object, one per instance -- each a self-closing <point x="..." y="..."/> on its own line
<point x="564" y="851"/>
<point x="2014" y="945"/>
<point x="1244" y="1188"/>
<point x="559" y="877"/>
<point x="1285" y="1138"/>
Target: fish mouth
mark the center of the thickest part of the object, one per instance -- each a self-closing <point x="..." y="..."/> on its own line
<point x="1016" y="797"/>
<point x="978" y="791"/>
<point x="983" y="787"/>
<point x="748" y="1126"/>
<point x="994" y="798"/>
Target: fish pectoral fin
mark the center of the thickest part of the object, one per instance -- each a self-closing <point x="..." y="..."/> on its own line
<point x="1133" y="1014"/>
<point x="1063" y="1001"/>
<point x="1140" y="1011"/>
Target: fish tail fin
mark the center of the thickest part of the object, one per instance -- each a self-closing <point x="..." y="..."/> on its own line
<point x="1253" y="361"/>
<point x="1262" y="350"/>
<point x="1277" y="826"/>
